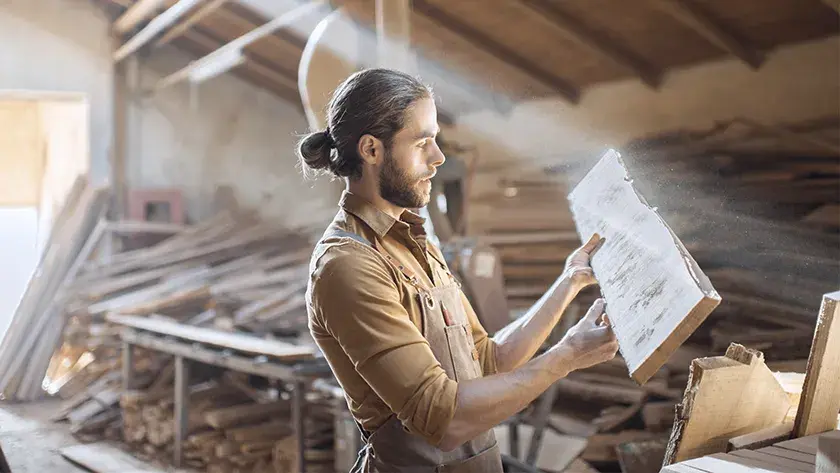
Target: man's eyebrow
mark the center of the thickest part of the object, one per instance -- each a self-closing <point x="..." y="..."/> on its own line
<point x="427" y="134"/>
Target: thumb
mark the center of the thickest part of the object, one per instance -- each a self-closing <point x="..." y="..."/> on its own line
<point x="595" y="311"/>
<point x="594" y="242"/>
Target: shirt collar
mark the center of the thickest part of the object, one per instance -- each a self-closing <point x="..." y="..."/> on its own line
<point x="379" y="221"/>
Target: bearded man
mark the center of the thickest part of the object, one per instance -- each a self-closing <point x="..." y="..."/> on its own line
<point x="421" y="376"/>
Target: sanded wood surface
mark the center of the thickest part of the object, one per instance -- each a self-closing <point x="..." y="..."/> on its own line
<point x="727" y="396"/>
<point x="820" y="398"/>
<point x="235" y="341"/>
<point x="656" y="293"/>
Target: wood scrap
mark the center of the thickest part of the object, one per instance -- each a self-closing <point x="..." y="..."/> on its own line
<point x="820" y="399"/>
<point x="761" y="438"/>
<point x="726" y="396"/>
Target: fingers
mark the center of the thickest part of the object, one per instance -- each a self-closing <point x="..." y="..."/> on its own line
<point x="595" y="311"/>
<point x="591" y="246"/>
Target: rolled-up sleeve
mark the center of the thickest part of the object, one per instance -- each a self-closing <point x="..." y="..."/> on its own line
<point x="360" y="306"/>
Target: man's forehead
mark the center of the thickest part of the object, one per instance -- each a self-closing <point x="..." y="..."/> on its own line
<point x="421" y="119"/>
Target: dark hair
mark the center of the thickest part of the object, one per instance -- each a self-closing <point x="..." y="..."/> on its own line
<point x="372" y="101"/>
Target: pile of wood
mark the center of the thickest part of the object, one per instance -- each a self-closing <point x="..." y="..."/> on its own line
<point x="230" y="273"/>
<point x="232" y="427"/>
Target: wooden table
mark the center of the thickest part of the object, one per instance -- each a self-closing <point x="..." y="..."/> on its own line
<point x="238" y="352"/>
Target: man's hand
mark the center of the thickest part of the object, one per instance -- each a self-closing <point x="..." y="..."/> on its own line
<point x="590" y="341"/>
<point x="577" y="267"/>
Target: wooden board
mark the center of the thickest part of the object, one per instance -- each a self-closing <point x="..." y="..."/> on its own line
<point x="761" y="438"/>
<point x="104" y="458"/>
<point x="656" y="293"/>
<point x="727" y="396"/>
<point x="828" y="453"/>
<point x="820" y="398"/>
<point x="235" y="341"/>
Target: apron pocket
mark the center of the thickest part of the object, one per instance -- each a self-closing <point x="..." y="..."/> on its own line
<point x="462" y="350"/>
<point x="488" y="461"/>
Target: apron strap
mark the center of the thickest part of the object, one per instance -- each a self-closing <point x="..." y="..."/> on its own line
<point x="406" y="271"/>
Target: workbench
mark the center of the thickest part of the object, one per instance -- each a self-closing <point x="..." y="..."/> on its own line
<point x="187" y="349"/>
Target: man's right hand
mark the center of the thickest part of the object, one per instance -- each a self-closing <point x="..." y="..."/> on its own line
<point x="590" y="341"/>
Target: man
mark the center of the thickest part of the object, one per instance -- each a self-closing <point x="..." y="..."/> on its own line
<point x="422" y="378"/>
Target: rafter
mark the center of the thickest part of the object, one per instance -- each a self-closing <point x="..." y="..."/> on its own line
<point x="482" y="41"/>
<point x="598" y="42"/>
<point x="712" y="29"/>
<point x="155" y="27"/>
<point x="136" y="14"/>
<point x="193" y="19"/>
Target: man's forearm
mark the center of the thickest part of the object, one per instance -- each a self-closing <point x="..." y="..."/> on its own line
<point x="518" y="341"/>
<point x="483" y="403"/>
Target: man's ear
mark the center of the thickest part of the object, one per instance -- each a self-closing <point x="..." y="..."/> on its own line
<point x="370" y="149"/>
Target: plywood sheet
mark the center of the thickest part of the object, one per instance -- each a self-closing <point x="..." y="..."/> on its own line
<point x="656" y="293"/>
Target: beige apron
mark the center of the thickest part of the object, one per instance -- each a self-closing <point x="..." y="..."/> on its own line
<point x="391" y="448"/>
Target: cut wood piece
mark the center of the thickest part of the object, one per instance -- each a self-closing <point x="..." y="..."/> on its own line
<point x="656" y="293"/>
<point x="641" y="457"/>
<point x="820" y="399"/>
<point x="600" y="392"/>
<point x="761" y="438"/>
<point x="104" y="458"/>
<point x="726" y="396"/>
<point x="602" y="447"/>
<point x="235" y="341"/>
<point x="773" y="462"/>
<point x="245" y="413"/>
<point x="790" y="454"/>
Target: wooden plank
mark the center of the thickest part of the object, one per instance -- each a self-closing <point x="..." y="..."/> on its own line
<point x="136" y="14"/>
<point x="156" y="26"/>
<point x="656" y="293"/>
<point x="235" y="341"/>
<point x="721" y="462"/>
<point x="820" y="398"/>
<point x="727" y="396"/>
<point x="770" y="461"/>
<point x="828" y="453"/>
<point x="789" y="454"/>
<point x="761" y="438"/>
<point x="802" y="444"/>
<point x="104" y="458"/>
<point x="193" y="19"/>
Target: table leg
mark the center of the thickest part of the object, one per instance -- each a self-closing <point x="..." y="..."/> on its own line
<point x="182" y="407"/>
<point x="127" y="364"/>
<point x="297" y="418"/>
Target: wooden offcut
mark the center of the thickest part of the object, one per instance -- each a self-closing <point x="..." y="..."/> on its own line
<point x="726" y="396"/>
<point x="656" y="293"/>
<point x="820" y="398"/>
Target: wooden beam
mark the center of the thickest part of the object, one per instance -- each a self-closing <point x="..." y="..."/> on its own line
<point x="193" y="19"/>
<point x="583" y="34"/>
<point x="820" y="399"/>
<point x="156" y="26"/>
<point x="137" y="13"/>
<point x="656" y="293"/>
<point x="482" y="41"/>
<point x="712" y="29"/>
<point x="238" y="44"/>
<point x="393" y="35"/>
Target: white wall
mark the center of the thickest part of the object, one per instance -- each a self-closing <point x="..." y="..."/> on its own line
<point x="238" y="135"/>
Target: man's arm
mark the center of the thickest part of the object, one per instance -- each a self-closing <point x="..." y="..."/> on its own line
<point x="483" y="403"/>
<point x="517" y="342"/>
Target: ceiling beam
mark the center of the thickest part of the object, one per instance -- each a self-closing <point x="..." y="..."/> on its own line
<point x="156" y="26"/>
<point x="238" y="44"/>
<point x="598" y="42"/>
<point x="482" y="41"/>
<point x="136" y="14"/>
<point x="713" y="30"/>
<point x="193" y="19"/>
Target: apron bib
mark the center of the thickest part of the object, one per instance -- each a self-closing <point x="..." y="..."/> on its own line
<point x="391" y="448"/>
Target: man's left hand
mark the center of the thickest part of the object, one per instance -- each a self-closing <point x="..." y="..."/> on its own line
<point x="577" y="269"/>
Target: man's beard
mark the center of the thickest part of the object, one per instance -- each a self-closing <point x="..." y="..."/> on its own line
<point x="400" y="188"/>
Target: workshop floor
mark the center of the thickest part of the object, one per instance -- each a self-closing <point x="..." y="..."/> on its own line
<point x="31" y="442"/>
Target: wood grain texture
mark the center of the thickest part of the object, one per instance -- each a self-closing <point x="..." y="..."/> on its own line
<point x="726" y="396"/>
<point x="820" y="398"/>
<point x="656" y="293"/>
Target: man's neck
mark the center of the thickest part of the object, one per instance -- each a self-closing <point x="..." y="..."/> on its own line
<point x="370" y="192"/>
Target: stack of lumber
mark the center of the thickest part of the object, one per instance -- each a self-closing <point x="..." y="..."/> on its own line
<point x="230" y="272"/>
<point x="232" y="427"/>
<point x="38" y="320"/>
<point x="531" y="232"/>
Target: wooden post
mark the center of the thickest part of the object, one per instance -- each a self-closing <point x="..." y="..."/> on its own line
<point x="127" y="364"/>
<point x="820" y="400"/>
<point x="182" y="407"/>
